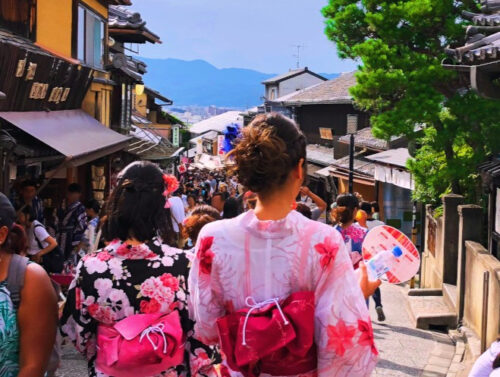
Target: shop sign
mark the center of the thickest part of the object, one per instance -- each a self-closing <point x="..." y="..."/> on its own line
<point x="175" y="136"/>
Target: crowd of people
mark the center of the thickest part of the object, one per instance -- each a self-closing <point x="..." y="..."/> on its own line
<point x="216" y="274"/>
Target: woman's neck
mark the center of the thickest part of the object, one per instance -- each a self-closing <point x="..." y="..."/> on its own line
<point x="273" y="207"/>
<point x="347" y="225"/>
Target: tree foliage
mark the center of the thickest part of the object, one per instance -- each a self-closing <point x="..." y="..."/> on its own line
<point x="400" y="45"/>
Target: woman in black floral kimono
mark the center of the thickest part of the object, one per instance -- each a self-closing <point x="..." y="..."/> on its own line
<point x="137" y="273"/>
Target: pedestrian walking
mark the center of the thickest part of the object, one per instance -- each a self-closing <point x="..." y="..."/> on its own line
<point x="377" y="295"/>
<point x="72" y="221"/>
<point x="281" y="288"/>
<point x="126" y="309"/>
<point x="353" y="234"/>
<point x="89" y="239"/>
<point x="319" y="204"/>
<point x="371" y="222"/>
<point x="41" y="244"/>
<point x="30" y="198"/>
<point x="28" y="304"/>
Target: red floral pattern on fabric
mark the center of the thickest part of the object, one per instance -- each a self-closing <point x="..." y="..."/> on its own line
<point x="205" y="255"/>
<point x="135" y="252"/>
<point x="150" y="307"/>
<point x="367" y="338"/>
<point x="170" y="281"/>
<point x="328" y="250"/>
<point x="103" y="256"/>
<point x="340" y="337"/>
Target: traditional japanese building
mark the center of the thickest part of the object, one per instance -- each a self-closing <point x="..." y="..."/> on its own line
<point x="478" y="60"/>
<point x="56" y="112"/>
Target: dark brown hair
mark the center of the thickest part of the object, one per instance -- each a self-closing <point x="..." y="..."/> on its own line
<point x="343" y="213"/>
<point x="268" y="150"/>
<point x="136" y="207"/>
<point x="16" y="241"/>
<point x="304" y="210"/>
<point x="201" y="216"/>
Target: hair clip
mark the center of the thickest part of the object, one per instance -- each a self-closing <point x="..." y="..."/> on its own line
<point x="171" y="186"/>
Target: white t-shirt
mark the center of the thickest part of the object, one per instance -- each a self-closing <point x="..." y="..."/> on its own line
<point x="177" y="211"/>
<point x="37" y="232"/>
<point x="484" y="365"/>
<point x="373" y="223"/>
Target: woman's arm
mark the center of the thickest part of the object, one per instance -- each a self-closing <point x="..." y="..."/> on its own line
<point x="320" y="203"/>
<point x="343" y="329"/>
<point x="204" y="305"/>
<point x="37" y="318"/>
<point x="52" y="244"/>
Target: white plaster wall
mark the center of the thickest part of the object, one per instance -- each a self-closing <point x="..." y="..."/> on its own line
<point x="302" y="81"/>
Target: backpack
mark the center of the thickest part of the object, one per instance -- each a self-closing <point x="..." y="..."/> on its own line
<point x="140" y="345"/>
<point x="15" y="278"/>
<point x="15" y="284"/>
<point x="53" y="262"/>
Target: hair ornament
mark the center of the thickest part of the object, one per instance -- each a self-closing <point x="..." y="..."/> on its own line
<point x="171" y="186"/>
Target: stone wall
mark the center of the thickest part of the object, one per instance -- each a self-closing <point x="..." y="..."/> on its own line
<point x="477" y="262"/>
<point x="440" y="257"/>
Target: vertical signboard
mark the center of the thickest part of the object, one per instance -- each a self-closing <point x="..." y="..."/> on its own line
<point x="175" y="136"/>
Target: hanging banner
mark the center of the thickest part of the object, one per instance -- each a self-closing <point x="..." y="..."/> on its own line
<point x="175" y="136"/>
<point x="220" y="145"/>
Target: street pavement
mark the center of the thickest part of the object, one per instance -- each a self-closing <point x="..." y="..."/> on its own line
<point x="404" y="350"/>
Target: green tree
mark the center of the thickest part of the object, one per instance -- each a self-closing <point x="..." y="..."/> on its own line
<point x="400" y="45"/>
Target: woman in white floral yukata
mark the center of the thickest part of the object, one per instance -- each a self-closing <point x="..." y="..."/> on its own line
<point x="281" y="288"/>
<point x="137" y="273"/>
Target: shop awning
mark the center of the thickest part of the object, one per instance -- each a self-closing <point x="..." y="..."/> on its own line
<point x="73" y="133"/>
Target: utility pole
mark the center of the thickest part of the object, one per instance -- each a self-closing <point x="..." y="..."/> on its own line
<point x="352" y="127"/>
<point x="297" y="55"/>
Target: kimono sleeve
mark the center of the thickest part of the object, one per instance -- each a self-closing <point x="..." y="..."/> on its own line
<point x="76" y="322"/>
<point x="205" y="303"/>
<point x="343" y="329"/>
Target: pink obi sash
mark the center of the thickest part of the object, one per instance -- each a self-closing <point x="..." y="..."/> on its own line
<point x="140" y="345"/>
<point x="273" y="337"/>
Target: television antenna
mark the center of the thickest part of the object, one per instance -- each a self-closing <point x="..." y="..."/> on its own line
<point x="297" y="54"/>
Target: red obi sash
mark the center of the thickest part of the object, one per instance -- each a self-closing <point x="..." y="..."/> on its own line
<point x="271" y="337"/>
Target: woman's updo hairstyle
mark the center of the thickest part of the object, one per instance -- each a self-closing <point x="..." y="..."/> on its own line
<point x="269" y="148"/>
<point x="136" y="207"/>
<point x="347" y="204"/>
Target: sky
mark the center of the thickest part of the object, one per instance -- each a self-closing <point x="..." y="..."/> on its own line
<point x="254" y="34"/>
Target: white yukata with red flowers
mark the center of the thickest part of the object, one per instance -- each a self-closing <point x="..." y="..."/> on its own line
<point x="245" y="257"/>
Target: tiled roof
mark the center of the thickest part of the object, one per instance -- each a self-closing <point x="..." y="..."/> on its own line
<point x="397" y="157"/>
<point x="157" y="95"/>
<point x="483" y="36"/>
<point x="334" y="91"/>
<point x="362" y="166"/>
<point x="133" y="68"/>
<point x="320" y="155"/>
<point x="120" y="17"/>
<point x="217" y="123"/>
<point x="365" y="139"/>
<point x="289" y="75"/>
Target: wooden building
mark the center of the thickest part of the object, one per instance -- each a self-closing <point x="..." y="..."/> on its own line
<point x="56" y="113"/>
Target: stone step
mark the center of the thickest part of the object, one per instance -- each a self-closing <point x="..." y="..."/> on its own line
<point x="450" y="296"/>
<point x="428" y="312"/>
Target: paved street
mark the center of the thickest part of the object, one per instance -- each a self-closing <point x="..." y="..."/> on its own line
<point x="404" y="351"/>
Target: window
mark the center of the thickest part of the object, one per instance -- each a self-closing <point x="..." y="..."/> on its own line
<point x="90" y="45"/>
<point x="19" y="17"/>
<point x="273" y="94"/>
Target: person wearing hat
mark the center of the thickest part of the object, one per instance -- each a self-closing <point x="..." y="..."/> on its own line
<point x="26" y="342"/>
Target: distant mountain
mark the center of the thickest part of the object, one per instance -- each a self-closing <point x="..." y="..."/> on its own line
<point x="199" y="83"/>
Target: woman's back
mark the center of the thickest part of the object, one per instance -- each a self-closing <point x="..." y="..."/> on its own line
<point x="250" y="261"/>
<point x="120" y="281"/>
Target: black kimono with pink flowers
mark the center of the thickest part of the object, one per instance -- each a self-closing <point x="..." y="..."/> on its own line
<point x="122" y="280"/>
